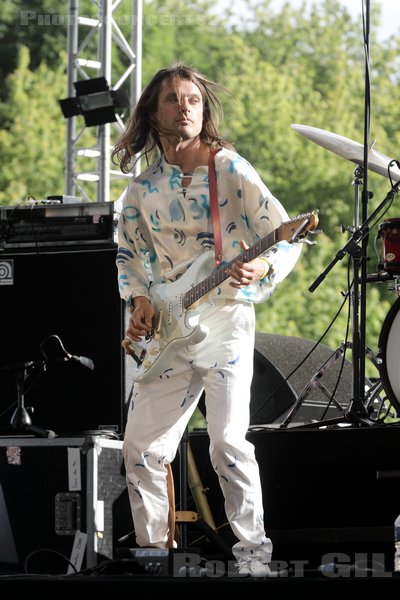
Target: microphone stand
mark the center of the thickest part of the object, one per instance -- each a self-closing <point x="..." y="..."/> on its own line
<point x="21" y="421"/>
<point x="365" y="196"/>
<point x="357" y="412"/>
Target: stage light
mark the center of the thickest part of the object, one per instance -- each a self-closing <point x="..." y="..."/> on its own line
<point x="95" y="101"/>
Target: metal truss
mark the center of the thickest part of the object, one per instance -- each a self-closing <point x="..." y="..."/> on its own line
<point x="90" y="45"/>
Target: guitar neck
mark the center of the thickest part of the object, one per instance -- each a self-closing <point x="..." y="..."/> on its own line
<point x="219" y="275"/>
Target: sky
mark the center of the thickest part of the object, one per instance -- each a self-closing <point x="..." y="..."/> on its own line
<point x="390" y="12"/>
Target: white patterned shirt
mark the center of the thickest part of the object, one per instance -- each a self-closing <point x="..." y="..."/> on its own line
<point x="162" y="229"/>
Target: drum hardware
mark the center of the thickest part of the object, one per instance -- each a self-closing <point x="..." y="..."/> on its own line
<point x="389" y="233"/>
<point x="394" y="285"/>
<point x="338" y="144"/>
<point x="357" y="247"/>
<point x="389" y="355"/>
<point x="380" y="277"/>
<point x="393" y="281"/>
<point x="357" y="411"/>
<point x="373" y="390"/>
<point x="389" y="261"/>
<point x="379" y="405"/>
<point x="359" y="408"/>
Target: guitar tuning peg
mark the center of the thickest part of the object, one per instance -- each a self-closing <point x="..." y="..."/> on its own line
<point x="306" y="241"/>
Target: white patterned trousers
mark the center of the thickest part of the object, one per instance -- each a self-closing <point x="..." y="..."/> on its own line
<point x="160" y="410"/>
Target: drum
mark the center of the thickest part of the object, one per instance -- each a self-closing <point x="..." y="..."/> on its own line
<point x="389" y="231"/>
<point x="389" y="354"/>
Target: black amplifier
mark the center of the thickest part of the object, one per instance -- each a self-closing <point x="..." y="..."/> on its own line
<point x="52" y="224"/>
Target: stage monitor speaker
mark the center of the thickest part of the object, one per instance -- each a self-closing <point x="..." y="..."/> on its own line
<point x="324" y="490"/>
<point x="71" y="293"/>
<point x="274" y="390"/>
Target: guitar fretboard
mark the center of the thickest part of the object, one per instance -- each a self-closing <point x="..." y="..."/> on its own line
<point x="212" y="281"/>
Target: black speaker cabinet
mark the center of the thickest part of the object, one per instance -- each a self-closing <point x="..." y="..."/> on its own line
<point x="71" y="293"/>
<point x="324" y="490"/>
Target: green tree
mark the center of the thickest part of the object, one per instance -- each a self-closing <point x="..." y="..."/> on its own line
<point x="41" y="26"/>
<point x="301" y="65"/>
<point x="32" y="146"/>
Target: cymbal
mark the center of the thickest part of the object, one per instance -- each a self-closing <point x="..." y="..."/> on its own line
<point x="353" y="151"/>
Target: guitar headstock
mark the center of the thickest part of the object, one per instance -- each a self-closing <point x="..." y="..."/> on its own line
<point x="298" y="227"/>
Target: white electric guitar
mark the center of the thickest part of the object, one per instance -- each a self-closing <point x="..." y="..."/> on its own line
<point x="178" y="304"/>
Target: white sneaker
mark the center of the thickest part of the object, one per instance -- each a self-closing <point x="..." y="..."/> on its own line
<point x="253" y="567"/>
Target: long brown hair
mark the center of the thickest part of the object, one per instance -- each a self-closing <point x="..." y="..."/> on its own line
<point x="141" y="134"/>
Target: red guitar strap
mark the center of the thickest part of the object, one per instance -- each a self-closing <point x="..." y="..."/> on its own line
<point x="214" y="205"/>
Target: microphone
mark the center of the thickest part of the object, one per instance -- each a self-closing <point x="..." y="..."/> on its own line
<point x="84" y="360"/>
<point x="55" y="346"/>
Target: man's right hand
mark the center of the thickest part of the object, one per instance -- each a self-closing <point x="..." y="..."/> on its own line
<point x="141" y="319"/>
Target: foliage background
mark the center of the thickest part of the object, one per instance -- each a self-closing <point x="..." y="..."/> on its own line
<point x="292" y="66"/>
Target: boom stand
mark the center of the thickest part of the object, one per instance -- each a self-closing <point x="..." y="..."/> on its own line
<point x="357" y="413"/>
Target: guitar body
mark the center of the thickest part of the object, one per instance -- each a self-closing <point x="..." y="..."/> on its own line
<point x="175" y="326"/>
<point x="178" y="304"/>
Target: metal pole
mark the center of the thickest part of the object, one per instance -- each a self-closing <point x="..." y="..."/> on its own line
<point x="365" y="199"/>
<point x="72" y="52"/>
<point x="136" y="80"/>
<point x="103" y="131"/>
